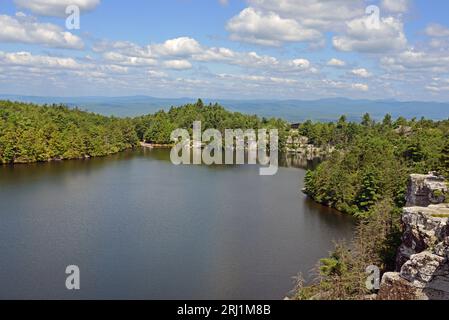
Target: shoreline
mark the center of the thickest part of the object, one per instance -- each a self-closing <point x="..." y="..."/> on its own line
<point x="155" y="145"/>
<point x="86" y="157"/>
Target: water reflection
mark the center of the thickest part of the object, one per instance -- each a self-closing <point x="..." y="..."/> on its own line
<point x="140" y="227"/>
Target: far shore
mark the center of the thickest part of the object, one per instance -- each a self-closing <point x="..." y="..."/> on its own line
<point x="155" y="145"/>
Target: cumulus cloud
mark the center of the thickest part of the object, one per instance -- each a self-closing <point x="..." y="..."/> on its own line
<point x="55" y="8"/>
<point x="27" y="59"/>
<point x="259" y="79"/>
<point x="396" y="6"/>
<point x="438" y="85"/>
<point x="257" y="27"/>
<point x="314" y="13"/>
<point x="182" y="46"/>
<point x="360" y="86"/>
<point x="336" y="63"/>
<point x="125" y="48"/>
<point x="360" y="35"/>
<point x="275" y="22"/>
<point x="437" y="30"/>
<point x="121" y="59"/>
<point x="255" y="60"/>
<point x="439" y="43"/>
<point x="157" y="74"/>
<point x="417" y="61"/>
<point x="215" y="54"/>
<point x="177" y="64"/>
<point x="179" y="53"/>
<point x="25" y="29"/>
<point x="301" y="64"/>
<point x="362" y="72"/>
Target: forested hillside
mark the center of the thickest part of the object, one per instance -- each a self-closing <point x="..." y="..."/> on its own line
<point x="30" y="133"/>
<point x="374" y="160"/>
<point x="157" y="127"/>
<point x="367" y="177"/>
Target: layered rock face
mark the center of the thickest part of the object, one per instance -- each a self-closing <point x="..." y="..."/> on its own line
<point x="423" y="257"/>
<point x="424" y="190"/>
<point x="301" y="146"/>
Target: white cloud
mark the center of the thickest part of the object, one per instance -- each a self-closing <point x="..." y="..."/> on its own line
<point x="317" y="14"/>
<point x="27" y="59"/>
<point x="396" y="6"/>
<point x="157" y="74"/>
<point x="336" y="63"/>
<point x="178" y="64"/>
<point x="177" y="54"/>
<point x="125" y="48"/>
<point x="182" y="46"/>
<point x="360" y="86"/>
<point x="437" y="30"/>
<point x="438" y="85"/>
<point x="363" y="73"/>
<point x="417" y="61"/>
<point x="25" y="29"/>
<point x="361" y="36"/>
<point x="257" y="27"/>
<point x="111" y="68"/>
<point x="252" y="59"/>
<point x="215" y="54"/>
<point x="118" y="58"/>
<point x="437" y="89"/>
<point x="259" y="79"/>
<point x="55" y="8"/>
<point x="439" y="43"/>
<point x="301" y="64"/>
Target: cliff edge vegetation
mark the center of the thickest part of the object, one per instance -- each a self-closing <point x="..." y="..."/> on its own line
<point x="368" y="179"/>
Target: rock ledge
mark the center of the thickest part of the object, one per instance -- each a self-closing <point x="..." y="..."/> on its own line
<point x="423" y="258"/>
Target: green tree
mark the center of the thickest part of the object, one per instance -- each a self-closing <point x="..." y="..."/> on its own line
<point x="366" y="120"/>
<point x="444" y="159"/>
<point x="369" y="192"/>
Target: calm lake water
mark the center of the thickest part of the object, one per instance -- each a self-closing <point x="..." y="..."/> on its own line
<point x="139" y="227"/>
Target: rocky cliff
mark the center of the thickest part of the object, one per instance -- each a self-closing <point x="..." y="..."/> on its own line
<point x="300" y="145"/>
<point x="423" y="258"/>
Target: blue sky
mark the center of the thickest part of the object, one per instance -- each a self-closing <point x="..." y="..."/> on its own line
<point x="280" y="49"/>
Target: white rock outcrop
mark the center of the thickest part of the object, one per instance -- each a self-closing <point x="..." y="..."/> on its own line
<point x="423" y="258"/>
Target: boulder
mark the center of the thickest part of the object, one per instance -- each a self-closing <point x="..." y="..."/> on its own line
<point x="425" y="189"/>
<point x="424" y="227"/>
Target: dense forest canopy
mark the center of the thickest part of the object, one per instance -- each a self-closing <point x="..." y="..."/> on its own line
<point x="157" y="127"/>
<point x="374" y="159"/>
<point x="367" y="177"/>
<point x="31" y="133"/>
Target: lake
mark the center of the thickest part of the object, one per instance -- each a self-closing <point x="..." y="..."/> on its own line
<point x="139" y="227"/>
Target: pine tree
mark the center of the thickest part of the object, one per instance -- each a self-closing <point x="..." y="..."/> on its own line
<point x="368" y="194"/>
<point x="444" y="159"/>
<point x="366" y="120"/>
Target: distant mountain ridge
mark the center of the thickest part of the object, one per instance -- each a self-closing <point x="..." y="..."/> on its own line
<point x="329" y="109"/>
